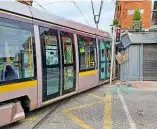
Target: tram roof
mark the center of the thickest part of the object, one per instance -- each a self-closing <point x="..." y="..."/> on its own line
<point x="23" y="9"/>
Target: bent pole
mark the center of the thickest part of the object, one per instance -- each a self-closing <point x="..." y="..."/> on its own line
<point x="112" y="59"/>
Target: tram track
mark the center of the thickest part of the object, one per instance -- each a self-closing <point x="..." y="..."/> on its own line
<point x="62" y="102"/>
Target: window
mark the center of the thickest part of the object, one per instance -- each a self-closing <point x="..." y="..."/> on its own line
<point x="108" y="52"/>
<point x="154" y="14"/>
<point x="67" y="42"/>
<point x="16" y="50"/>
<point x="87" y="52"/>
<point x="49" y="37"/>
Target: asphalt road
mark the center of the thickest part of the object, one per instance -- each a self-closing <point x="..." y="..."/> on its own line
<point x="104" y="107"/>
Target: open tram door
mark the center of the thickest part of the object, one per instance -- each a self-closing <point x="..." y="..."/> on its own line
<point x="108" y="55"/>
<point x="105" y="60"/>
<point x="102" y="63"/>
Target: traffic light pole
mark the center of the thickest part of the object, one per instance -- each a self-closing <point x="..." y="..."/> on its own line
<point x="113" y="55"/>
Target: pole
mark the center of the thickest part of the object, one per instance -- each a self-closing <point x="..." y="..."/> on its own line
<point x="97" y="25"/>
<point x="112" y="59"/>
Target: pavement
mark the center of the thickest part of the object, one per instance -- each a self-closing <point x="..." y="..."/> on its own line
<point x="123" y="105"/>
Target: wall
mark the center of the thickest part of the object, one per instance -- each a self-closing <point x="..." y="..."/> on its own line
<point x="28" y="2"/>
<point x="124" y="12"/>
<point x="132" y="69"/>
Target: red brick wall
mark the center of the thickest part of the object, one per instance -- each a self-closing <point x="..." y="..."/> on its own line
<point x="28" y="2"/>
<point x="125" y="20"/>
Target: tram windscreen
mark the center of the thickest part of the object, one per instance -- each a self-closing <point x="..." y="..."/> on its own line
<point x="16" y="53"/>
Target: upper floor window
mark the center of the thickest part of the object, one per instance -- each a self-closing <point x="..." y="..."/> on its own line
<point x="154" y="13"/>
<point x="87" y="52"/>
<point x="16" y="50"/>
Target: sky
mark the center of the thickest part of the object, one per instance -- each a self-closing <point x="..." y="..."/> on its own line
<point x="68" y="10"/>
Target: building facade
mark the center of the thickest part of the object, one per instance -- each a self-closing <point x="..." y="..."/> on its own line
<point x="141" y="48"/>
<point x="124" y="12"/>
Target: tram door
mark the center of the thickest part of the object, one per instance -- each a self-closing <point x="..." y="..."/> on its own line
<point x="102" y="53"/>
<point x="68" y="62"/>
<point x="108" y="56"/>
<point x="51" y="63"/>
<point x="58" y="63"/>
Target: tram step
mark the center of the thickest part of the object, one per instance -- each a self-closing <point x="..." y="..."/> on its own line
<point x="10" y="113"/>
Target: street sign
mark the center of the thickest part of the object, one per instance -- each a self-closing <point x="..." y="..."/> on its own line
<point x="118" y="35"/>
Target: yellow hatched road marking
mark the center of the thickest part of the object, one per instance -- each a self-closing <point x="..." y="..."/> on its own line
<point x="77" y="120"/>
<point x="82" y="106"/>
<point x="107" y="113"/>
<point x="74" y="118"/>
<point x="98" y="97"/>
<point x="107" y="110"/>
<point x="17" y="86"/>
<point x="88" y="73"/>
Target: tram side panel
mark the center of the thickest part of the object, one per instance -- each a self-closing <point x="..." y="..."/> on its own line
<point x="18" y="80"/>
<point x="88" y="71"/>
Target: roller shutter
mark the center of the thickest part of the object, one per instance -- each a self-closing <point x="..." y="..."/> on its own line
<point x="149" y="62"/>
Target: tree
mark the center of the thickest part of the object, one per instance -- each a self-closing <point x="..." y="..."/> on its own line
<point x="136" y="24"/>
<point x="116" y="23"/>
<point x="137" y="15"/>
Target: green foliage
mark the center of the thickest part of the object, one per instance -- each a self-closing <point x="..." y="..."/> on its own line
<point x="137" y="15"/>
<point x="136" y="24"/>
<point x="115" y="22"/>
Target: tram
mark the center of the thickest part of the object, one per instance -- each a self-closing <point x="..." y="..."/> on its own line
<point x="45" y="58"/>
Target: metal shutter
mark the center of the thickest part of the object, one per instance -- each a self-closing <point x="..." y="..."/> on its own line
<point x="149" y="62"/>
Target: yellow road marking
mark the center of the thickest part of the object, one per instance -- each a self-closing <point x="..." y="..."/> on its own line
<point x="107" y="113"/>
<point x="17" y="86"/>
<point x="77" y="120"/>
<point x="88" y="73"/>
<point x="98" y="97"/>
<point x="81" y="106"/>
<point x="74" y="118"/>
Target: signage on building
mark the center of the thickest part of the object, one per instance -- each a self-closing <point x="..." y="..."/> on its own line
<point x="131" y="12"/>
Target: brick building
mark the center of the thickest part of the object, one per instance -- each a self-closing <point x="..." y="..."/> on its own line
<point x="124" y="12"/>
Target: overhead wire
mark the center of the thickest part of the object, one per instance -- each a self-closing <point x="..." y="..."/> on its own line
<point x="80" y="12"/>
<point x="67" y="1"/>
<point x="40" y="5"/>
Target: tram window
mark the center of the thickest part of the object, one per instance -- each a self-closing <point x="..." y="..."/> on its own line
<point x="108" y="52"/>
<point x="16" y="50"/>
<point x="87" y="52"/>
<point x="67" y="43"/>
<point x="49" y="38"/>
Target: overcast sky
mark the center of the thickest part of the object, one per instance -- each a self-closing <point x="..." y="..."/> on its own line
<point x="67" y="9"/>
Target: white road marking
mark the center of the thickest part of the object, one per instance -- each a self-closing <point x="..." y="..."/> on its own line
<point x="130" y="120"/>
